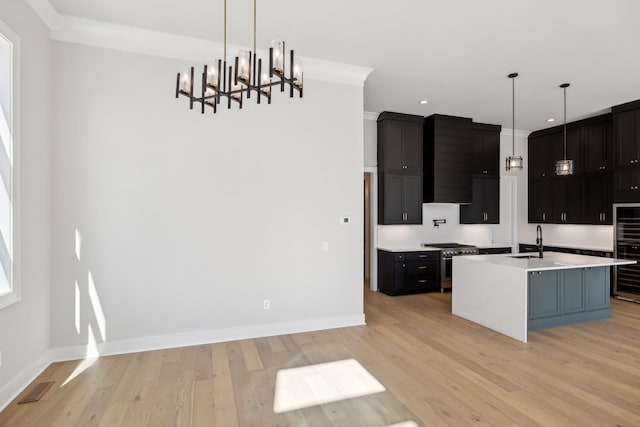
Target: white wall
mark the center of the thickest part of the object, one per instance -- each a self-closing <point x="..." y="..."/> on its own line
<point x="189" y="222"/>
<point x="24" y="326"/>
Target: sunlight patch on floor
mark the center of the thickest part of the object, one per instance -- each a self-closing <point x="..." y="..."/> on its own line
<point x="313" y="385"/>
<point x="404" y="424"/>
<point x="82" y="366"/>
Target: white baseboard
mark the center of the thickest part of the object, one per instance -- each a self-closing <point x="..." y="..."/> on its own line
<point x="27" y="375"/>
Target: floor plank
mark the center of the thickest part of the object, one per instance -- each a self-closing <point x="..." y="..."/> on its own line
<point x="437" y="370"/>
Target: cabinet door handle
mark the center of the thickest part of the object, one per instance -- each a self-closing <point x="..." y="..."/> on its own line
<point x="422" y="281"/>
<point x="544" y="216"/>
<point x="422" y="267"/>
<point x="422" y="256"/>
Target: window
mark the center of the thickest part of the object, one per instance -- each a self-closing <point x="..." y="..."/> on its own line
<point x="9" y="127"/>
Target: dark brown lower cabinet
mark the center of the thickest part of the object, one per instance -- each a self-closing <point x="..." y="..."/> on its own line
<point x="399" y="199"/>
<point x="485" y="202"/>
<point x="401" y="273"/>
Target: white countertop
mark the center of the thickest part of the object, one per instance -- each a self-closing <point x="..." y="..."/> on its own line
<point x="550" y="261"/>
<point x="408" y="248"/>
<point x="561" y="245"/>
<point x="495" y="245"/>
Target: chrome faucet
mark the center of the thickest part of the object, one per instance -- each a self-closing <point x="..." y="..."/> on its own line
<point x="539" y="240"/>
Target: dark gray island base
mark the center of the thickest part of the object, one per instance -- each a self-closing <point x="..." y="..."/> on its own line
<point x="563" y="297"/>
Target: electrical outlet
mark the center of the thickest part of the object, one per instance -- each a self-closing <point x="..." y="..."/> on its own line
<point x="267" y="304"/>
<point x="325" y="246"/>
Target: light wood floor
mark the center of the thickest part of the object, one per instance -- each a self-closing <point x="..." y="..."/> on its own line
<point x="438" y="370"/>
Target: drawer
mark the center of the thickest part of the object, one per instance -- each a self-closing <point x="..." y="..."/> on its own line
<point x="423" y="284"/>
<point x="423" y="256"/>
<point x="421" y="268"/>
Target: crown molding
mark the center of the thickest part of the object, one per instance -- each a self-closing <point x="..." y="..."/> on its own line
<point x="369" y="115"/>
<point x="71" y="29"/>
<point x="517" y="132"/>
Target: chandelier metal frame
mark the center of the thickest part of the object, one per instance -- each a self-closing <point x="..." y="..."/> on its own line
<point x="246" y="75"/>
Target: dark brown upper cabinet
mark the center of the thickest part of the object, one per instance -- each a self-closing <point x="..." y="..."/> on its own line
<point x="626" y="136"/>
<point x="485" y="205"/>
<point x="486" y="149"/>
<point x="537" y="151"/>
<point x="447" y="159"/>
<point x="568" y="199"/>
<point x="598" y="146"/>
<point x="400" y="143"/>
<point x="399" y="199"/>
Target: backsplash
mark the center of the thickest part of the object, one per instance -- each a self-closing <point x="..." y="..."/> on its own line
<point x="452" y="231"/>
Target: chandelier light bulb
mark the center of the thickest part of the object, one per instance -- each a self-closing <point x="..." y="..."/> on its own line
<point x="278" y="57"/>
<point x="185" y="83"/>
<point x="264" y="79"/>
<point x="244" y="59"/>
<point x="212" y="76"/>
<point x="297" y="72"/>
<point x="210" y="92"/>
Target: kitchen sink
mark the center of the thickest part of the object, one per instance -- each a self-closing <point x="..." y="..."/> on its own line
<point x="524" y="256"/>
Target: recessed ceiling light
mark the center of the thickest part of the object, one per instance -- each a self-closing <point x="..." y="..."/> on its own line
<point x="551" y="119"/>
<point x="423" y="101"/>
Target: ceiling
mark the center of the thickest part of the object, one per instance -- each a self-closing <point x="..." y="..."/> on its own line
<point x="456" y="54"/>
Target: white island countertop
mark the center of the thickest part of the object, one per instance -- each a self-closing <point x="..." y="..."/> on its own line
<point x="492" y="290"/>
<point x="551" y="261"/>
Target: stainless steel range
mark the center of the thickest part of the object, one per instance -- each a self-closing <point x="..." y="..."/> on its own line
<point x="447" y="252"/>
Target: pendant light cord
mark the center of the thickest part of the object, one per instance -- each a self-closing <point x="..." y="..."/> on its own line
<point x="513" y="116"/>
<point x="565" y="122"/>
<point x="254" y="26"/>
<point x="225" y="30"/>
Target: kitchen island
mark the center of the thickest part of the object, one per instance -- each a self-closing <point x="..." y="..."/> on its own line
<point x="513" y="294"/>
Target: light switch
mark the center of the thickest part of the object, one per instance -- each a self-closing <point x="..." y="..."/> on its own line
<point x="325" y="246"/>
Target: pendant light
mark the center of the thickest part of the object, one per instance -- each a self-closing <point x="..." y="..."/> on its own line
<point x="514" y="163"/>
<point x="564" y="166"/>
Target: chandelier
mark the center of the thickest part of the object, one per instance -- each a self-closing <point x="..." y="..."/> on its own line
<point x="232" y="83"/>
